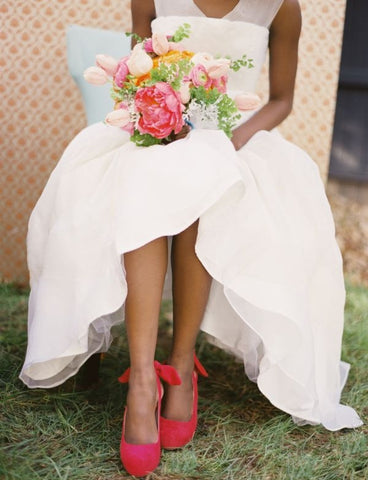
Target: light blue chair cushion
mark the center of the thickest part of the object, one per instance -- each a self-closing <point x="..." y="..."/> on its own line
<point x="83" y="44"/>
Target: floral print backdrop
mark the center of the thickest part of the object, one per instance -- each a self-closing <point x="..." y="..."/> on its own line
<point x="41" y="108"/>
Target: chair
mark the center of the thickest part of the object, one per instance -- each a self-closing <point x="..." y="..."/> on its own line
<point x="83" y="44"/>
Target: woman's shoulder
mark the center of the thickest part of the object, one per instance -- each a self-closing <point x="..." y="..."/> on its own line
<point x="289" y="10"/>
<point x="288" y="19"/>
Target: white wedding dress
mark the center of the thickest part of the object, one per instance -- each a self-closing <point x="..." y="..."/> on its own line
<point x="266" y="235"/>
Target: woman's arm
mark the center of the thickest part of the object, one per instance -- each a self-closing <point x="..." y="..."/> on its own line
<point x="143" y="12"/>
<point x="284" y="39"/>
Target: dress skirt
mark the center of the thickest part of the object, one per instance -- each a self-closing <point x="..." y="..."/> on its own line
<point x="266" y="235"/>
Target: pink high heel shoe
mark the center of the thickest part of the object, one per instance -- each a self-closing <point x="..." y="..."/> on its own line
<point x="174" y="433"/>
<point x="140" y="460"/>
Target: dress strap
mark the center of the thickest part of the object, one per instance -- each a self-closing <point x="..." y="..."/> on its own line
<point x="179" y="7"/>
<point x="274" y="11"/>
<point x="260" y="13"/>
<point x="253" y="11"/>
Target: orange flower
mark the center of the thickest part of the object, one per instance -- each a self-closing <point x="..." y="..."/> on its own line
<point x="173" y="56"/>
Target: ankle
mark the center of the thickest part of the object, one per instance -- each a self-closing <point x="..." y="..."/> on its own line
<point x="142" y="374"/>
<point x="142" y="382"/>
<point x="183" y="363"/>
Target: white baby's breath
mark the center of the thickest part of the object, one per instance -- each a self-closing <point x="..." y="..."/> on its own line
<point x="201" y="115"/>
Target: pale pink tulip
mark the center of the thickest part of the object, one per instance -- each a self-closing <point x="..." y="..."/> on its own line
<point x="95" y="75"/>
<point x="118" y="118"/>
<point x="107" y="63"/>
<point x="176" y="46"/>
<point x="139" y="62"/>
<point x="184" y="92"/>
<point x="218" y="68"/>
<point x="247" y="101"/>
<point x="202" y="58"/>
<point x="160" y="44"/>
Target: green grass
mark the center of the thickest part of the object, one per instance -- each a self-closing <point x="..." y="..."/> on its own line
<point x="66" y="434"/>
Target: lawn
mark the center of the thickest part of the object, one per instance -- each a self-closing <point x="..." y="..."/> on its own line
<point x="69" y="434"/>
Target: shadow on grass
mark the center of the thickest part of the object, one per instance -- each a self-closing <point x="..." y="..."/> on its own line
<point x="64" y="433"/>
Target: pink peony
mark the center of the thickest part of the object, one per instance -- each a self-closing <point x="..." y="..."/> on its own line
<point x="247" y="101"/>
<point x="199" y="76"/>
<point x="160" y="43"/>
<point x="107" y="63"/>
<point x="161" y="110"/>
<point x="122" y="72"/>
<point x="95" y="75"/>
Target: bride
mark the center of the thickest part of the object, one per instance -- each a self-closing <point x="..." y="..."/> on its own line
<point x="254" y="258"/>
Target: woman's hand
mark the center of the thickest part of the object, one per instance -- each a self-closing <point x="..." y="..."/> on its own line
<point x="237" y="139"/>
<point x="241" y="135"/>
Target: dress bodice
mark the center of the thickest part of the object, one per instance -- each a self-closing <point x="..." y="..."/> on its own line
<point x="243" y="30"/>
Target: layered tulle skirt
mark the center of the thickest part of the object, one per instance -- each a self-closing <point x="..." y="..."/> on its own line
<point x="266" y="236"/>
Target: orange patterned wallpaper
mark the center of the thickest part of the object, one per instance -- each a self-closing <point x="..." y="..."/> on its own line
<point x="41" y="109"/>
<point x="311" y="124"/>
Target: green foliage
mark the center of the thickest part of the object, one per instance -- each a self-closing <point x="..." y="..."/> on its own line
<point x="73" y="434"/>
<point x="134" y="36"/>
<point x="244" y="61"/>
<point x="206" y="97"/>
<point x="171" y="73"/>
<point x="144" y="139"/>
<point x="228" y="115"/>
<point x="182" y="32"/>
<point x="227" y="112"/>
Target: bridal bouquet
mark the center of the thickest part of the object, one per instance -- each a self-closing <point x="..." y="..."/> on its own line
<point x="160" y="87"/>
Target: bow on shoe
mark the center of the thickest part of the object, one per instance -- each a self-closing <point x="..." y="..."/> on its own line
<point x="166" y="372"/>
<point x="199" y="367"/>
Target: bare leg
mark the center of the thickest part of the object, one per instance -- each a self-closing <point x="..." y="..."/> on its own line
<point x="191" y="285"/>
<point x="145" y="270"/>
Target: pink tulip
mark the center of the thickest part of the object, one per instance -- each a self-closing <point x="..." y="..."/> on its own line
<point x="160" y="43"/>
<point x="107" y="63"/>
<point x="247" y="101"/>
<point x="202" y="58"/>
<point x="118" y="118"/>
<point x="176" y="46"/>
<point x="95" y="75"/>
